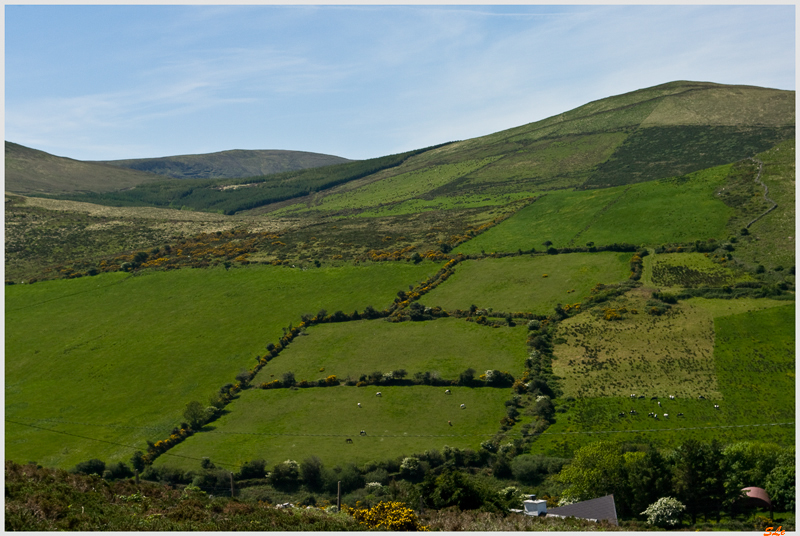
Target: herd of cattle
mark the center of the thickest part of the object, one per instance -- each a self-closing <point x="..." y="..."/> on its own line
<point x="655" y="398"/>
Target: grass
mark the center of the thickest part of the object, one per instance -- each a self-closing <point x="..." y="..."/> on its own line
<point x="754" y="365"/>
<point x="285" y="424"/>
<point x="394" y="188"/>
<point x="361" y="347"/>
<point x="688" y="270"/>
<point x="514" y="284"/>
<point x="648" y="355"/>
<point x="671" y="210"/>
<point x="772" y="239"/>
<point x="122" y="356"/>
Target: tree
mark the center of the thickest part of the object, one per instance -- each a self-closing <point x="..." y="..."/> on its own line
<point x="647" y="477"/>
<point x="137" y="461"/>
<point x="285" y="474"/>
<point x="195" y="415"/>
<point x="451" y="488"/>
<point x="699" y="479"/>
<point x="288" y="379"/>
<point x="311" y="473"/>
<point x="595" y="471"/>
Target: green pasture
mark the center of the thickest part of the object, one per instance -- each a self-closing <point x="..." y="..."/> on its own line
<point x="513" y="284"/>
<point x="281" y="424"/>
<point x="591" y="419"/>
<point x="754" y="353"/>
<point x="648" y="355"/>
<point x="449" y="202"/>
<point x="754" y="365"/>
<point x="447" y="346"/>
<point x="116" y="358"/>
<point x="688" y="270"/>
<point x="399" y="187"/>
<point x="773" y="238"/>
<point x="719" y="308"/>
<point x="682" y="209"/>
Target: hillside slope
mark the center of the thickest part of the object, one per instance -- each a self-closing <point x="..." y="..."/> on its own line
<point x="30" y="171"/>
<point x="229" y="164"/>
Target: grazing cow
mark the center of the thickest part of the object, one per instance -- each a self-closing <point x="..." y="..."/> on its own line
<point x="448" y="422"/>
<point x="716" y="406"/>
<point x="363" y="432"/>
<point x="378" y="394"/>
<point x="633" y="412"/>
<point x="680" y="414"/>
<point x="463" y="406"/>
<point x="672" y="397"/>
<point x="447" y="391"/>
<point x="701" y="397"/>
<point x="641" y="397"/>
<point x="348" y="440"/>
<point x="659" y="403"/>
<point x="651" y="414"/>
<point x="359" y="404"/>
<point x="633" y="396"/>
<point x="654" y="398"/>
<point x="666" y="415"/>
<point x="621" y="414"/>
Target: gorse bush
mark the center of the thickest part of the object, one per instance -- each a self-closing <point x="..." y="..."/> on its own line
<point x="388" y="516"/>
<point x="665" y="512"/>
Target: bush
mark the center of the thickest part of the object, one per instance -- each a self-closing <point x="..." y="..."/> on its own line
<point x="411" y="468"/>
<point x="93" y="466"/>
<point x="311" y="473"/>
<point x="285" y="474"/>
<point x="116" y="471"/>
<point x="252" y="469"/>
<point x="388" y="516"/>
<point x="665" y="512"/>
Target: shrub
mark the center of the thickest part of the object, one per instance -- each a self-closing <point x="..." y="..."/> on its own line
<point x="252" y="469"/>
<point x="665" y="512"/>
<point x="285" y="474"/>
<point x="93" y="466"/>
<point x="388" y="516"/>
<point x="116" y="471"/>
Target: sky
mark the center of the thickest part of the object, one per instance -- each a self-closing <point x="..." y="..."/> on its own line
<point x="104" y="82"/>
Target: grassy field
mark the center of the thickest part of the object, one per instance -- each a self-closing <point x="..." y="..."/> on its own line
<point x="284" y="424"/>
<point x="669" y="210"/>
<point x="121" y="356"/>
<point x="648" y="355"/>
<point x="754" y="369"/>
<point x="772" y="239"/>
<point x="688" y="270"/>
<point x="447" y="346"/>
<point x="514" y="284"/>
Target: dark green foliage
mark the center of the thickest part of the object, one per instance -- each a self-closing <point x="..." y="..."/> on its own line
<point x="89" y="467"/>
<point x="137" y="461"/>
<point x="285" y="474"/>
<point x="780" y="485"/>
<point x="311" y="471"/>
<point x="531" y="469"/>
<point x="252" y="469"/>
<point x="452" y="488"/>
<point x="671" y="151"/>
<point x="117" y="470"/>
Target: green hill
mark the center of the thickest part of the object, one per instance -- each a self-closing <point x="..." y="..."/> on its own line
<point x="228" y="164"/>
<point x="642" y="243"/>
<point x="29" y="171"/>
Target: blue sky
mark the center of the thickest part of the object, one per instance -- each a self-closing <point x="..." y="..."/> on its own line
<point x="111" y="82"/>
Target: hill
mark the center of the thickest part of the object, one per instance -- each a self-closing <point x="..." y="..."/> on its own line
<point x="650" y="134"/>
<point x="524" y="285"/>
<point x="29" y="171"/>
<point x="228" y="164"/>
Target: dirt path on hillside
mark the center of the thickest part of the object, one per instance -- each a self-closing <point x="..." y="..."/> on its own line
<point x="766" y="192"/>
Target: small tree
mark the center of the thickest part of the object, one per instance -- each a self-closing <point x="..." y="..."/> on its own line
<point x="665" y="512"/>
<point x="195" y="414"/>
<point x="137" y="461"/>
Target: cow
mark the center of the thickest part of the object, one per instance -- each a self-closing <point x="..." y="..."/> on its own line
<point x="463" y="406"/>
<point x="378" y="394"/>
<point x="348" y="440"/>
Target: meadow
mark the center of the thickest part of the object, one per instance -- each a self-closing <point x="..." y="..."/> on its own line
<point x="281" y="424"/>
<point x="447" y="346"/>
<point x="525" y="283"/>
<point x="754" y="370"/>
<point x="122" y="355"/>
<point x="682" y="209"/>
<point x="671" y="354"/>
<point x="688" y="270"/>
